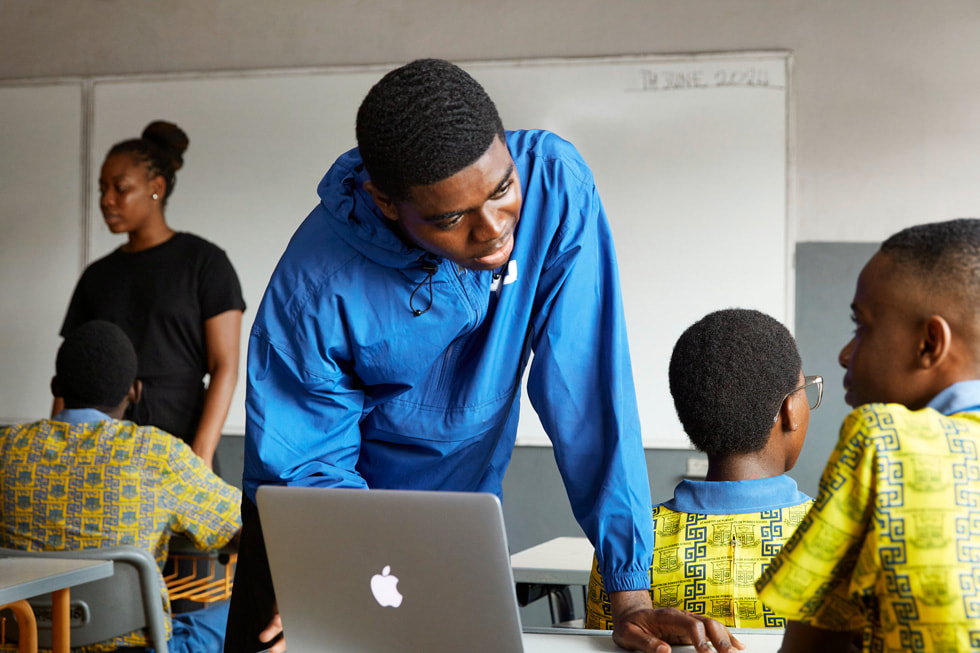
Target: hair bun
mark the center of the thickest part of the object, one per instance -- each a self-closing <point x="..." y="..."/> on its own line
<point x="170" y="137"/>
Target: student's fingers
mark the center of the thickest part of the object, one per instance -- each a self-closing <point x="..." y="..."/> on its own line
<point x="706" y="634"/>
<point x="722" y="640"/>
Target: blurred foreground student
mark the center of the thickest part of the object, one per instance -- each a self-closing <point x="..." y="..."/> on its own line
<point x="890" y="552"/>
<point x="390" y="344"/>
<point x="86" y="479"/>
<point x="739" y="390"/>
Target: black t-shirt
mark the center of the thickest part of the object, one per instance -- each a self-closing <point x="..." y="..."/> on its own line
<point x="161" y="298"/>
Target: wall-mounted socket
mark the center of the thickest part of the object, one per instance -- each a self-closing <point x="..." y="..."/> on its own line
<point x="696" y="468"/>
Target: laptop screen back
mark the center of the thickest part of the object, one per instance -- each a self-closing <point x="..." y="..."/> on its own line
<point x="390" y="570"/>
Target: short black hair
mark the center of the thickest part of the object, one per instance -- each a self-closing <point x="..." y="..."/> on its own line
<point x="729" y="373"/>
<point x="160" y="148"/>
<point x="423" y="123"/>
<point x="95" y="366"/>
<point x="945" y="256"/>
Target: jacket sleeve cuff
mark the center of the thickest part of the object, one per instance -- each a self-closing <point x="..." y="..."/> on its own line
<point x="627" y="581"/>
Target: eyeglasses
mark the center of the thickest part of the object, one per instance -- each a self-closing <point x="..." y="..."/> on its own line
<point x="814" y="393"/>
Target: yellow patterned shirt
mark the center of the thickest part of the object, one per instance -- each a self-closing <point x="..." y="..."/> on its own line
<point x="711" y="542"/>
<point x="892" y="544"/>
<point x="91" y="481"/>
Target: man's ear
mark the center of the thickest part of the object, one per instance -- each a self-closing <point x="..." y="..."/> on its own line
<point x="135" y="392"/>
<point x="385" y="203"/>
<point x="788" y="410"/>
<point x="56" y="387"/>
<point x="937" y="339"/>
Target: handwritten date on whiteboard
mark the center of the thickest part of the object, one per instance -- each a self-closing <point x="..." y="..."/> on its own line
<point x="698" y="78"/>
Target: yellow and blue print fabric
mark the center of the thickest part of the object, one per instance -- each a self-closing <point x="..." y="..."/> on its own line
<point x="891" y="547"/>
<point x="707" y="563"/>
<point x="106" y="483"/>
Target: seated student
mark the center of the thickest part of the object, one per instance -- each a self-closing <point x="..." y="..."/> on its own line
<point x="86" y="479"/>
<point x="741" y="396"/>
<point x="890" y="550"/>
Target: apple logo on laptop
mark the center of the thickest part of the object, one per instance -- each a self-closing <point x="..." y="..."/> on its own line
<point x="384" y="590"/>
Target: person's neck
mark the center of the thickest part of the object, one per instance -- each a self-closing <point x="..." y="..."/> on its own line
<point x="741" y="468"/>
<point x="144" y="239"/>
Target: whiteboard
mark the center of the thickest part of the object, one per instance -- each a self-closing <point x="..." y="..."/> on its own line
<point x="690" y="155"/>
<point x="40" y="237"/>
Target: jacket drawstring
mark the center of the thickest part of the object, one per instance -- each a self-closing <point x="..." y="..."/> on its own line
<point x="430" y="268"/>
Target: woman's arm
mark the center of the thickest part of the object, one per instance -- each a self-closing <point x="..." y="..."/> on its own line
<point x="222" y="339"/>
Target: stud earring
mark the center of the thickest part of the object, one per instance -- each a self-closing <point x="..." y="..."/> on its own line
<point x="155" y="196"/>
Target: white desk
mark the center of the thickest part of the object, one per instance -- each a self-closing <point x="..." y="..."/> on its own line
<point x="24" y="578"/>
<point x="548" y="569"/>
<point x="584" y="641"/>
<point x="561" y="561"/>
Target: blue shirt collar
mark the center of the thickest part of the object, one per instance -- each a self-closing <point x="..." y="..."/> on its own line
<point x="735" y="497"/>
<point x="80" y="416"/>
<point x="958" y="398"/>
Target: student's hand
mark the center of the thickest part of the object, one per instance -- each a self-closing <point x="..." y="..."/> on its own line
<point x="640" y="627"/>
<point x="271" y="632"/>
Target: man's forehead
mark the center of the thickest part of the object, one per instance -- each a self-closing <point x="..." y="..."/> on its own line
<point x="469" y="187"/>
<point x="885" y="285"/>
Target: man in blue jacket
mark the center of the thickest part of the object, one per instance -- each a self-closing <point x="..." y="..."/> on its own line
<point x="389" y="348"/>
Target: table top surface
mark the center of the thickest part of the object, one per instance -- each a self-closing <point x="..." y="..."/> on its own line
<point x="561" y="561"/>
<point x="22" y="578"/>
<point x="583" y="641"/>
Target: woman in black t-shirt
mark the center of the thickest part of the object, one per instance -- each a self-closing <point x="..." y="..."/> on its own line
<point x="174" y="294"/>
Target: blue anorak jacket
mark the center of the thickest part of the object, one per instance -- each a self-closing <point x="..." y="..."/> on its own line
<point x="348" y="388"/>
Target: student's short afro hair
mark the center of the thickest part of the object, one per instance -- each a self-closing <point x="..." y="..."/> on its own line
<point x="95" y="366"/>
<point x="945" y="256"/>
<point x="728" y="375"/>
<point x="423" y="123"/>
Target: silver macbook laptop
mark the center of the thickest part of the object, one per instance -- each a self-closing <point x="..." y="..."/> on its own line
<point x="390" y="570"/>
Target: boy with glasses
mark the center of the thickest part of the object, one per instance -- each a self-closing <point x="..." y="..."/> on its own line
<point x="889" y="553"/>
<point x="741" y="396"/>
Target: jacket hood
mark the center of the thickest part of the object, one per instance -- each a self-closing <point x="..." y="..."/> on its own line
<point x="358" y="220"/>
